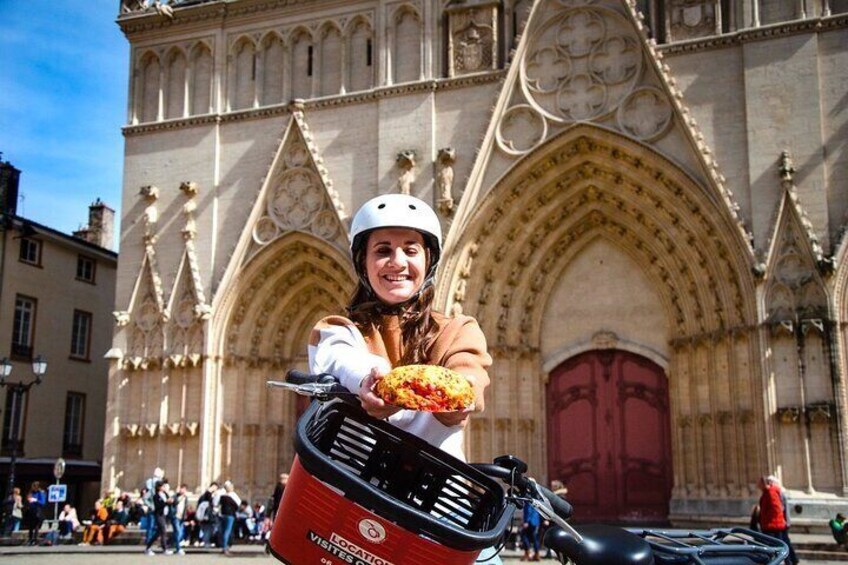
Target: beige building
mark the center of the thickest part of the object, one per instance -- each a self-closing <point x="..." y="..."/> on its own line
<point x="57" y="294"/>
<point x="645" y="211"/>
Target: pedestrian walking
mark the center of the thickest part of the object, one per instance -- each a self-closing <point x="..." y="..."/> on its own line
<point x="772" y="515"/>
<point x="33" y="515"/>
<point x="206" y="516"/>
<point x="176" y="515"/>
<point x="279" y="489"/>
<point x="13" y="509"/>
<point x="228" y="502"/>
<point x="147" y="494"/>
<point x="160" y="524"/>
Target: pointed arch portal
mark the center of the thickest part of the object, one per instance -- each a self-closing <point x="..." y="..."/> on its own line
<point x="609" y="435"/>
<point x="590" y="196"/>
<point x="264" y="326"/>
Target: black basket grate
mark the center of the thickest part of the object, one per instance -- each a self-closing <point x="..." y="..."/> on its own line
<point x="416" y="475"/>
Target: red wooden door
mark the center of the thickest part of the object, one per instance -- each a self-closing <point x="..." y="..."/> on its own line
<point x="609" y="436"/>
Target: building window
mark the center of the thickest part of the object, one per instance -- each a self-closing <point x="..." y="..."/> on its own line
<point x="74" y="420"/>
<point x="23" y="330"/>
<point x="81" y="334"/>
<point x="86" y="268"/>
<point x="13" y="423"/>
<point x="30" y="251"/>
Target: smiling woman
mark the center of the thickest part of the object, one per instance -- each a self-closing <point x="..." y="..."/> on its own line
<point x="395" y="261"/>
<point x="421" y="370"/>
<point x="396" y="246"/>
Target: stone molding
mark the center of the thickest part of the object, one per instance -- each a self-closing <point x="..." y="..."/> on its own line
<point x="317" y="103"/>
<point x="813" y="25"/>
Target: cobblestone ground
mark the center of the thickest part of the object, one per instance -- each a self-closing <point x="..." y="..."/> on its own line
<point x="242" y="555"/>
<point x="141" y="559"/>
<point x="74" y="555"/>
<point x="133" y="557"/>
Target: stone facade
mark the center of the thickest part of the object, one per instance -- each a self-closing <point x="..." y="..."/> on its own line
<point x="57" y="293"/>
<point x="604" y="185"/>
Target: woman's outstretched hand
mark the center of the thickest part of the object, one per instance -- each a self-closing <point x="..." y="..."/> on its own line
<point x="452" y="418"/>
<point x="373" y="405"/>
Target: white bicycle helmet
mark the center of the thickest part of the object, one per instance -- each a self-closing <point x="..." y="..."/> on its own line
<point x="397" y="211"/>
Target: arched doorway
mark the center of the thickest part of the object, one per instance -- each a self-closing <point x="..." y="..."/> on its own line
<point x="609" y="436"/>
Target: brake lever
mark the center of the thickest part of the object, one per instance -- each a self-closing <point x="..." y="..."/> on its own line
<point x="540" y="502"/>
<point x="321" y="391"/>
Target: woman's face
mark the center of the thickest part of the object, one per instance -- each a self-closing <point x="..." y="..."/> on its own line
<point x="396" y="263"/>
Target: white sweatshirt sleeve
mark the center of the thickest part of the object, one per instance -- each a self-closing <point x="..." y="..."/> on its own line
<point x="341" y="351"/>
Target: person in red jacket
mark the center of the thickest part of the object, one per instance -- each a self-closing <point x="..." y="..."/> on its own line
<point x="773" y="514"/>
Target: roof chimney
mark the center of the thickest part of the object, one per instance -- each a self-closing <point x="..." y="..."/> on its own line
<point x="9" y="181"/>
<point x="101" y="225"/>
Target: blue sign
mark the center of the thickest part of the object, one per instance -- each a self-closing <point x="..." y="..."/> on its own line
<point x="57" y="493"/>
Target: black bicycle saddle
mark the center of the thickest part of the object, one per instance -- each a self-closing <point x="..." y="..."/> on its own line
<point x="601" y="545"/>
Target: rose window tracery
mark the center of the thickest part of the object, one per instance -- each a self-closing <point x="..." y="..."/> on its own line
<point x="296" y="199"/>
<point x="645" y="114"/>
<point x="546" y="69"/>
<point x="616" y="61"/>
<point x="521" y="129"/>
<point x="579" y="32"/>
<point x="582" y="64"/>
<point x="265" y="230"/>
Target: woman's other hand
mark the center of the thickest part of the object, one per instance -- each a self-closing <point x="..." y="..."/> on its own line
<point x="452" y="418"/>
<point x="373" y="405"/>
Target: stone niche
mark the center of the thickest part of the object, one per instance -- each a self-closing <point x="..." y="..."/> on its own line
<point x="690" y="19"/>
<point x="472" y="36"/>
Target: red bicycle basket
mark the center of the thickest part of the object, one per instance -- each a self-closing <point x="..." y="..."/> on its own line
<point x="364" y="492"/>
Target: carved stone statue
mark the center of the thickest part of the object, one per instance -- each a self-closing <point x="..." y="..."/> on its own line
<point x="190" y="189"/>
<point x="150" y="215"/>
<point x="444" y="180"/>
<point x="406" y="163"/>
<point x="130" y="6"/>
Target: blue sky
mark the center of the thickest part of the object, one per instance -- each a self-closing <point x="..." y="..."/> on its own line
<point x="63" y="100"/>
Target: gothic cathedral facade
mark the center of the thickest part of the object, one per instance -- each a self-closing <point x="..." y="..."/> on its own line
<point x="644" y="206"/>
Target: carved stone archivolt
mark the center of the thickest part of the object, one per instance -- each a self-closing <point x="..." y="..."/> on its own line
<point x="282" y="297"/>
<point x="591" y="185"/>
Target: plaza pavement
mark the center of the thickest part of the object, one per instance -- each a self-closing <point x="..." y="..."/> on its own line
<point x="134" y="555"/>
<point x="255" y="554"/>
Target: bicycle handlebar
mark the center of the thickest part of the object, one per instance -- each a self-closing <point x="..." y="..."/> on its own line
<point x="296" y="377"/>
<point x="561" y="506"/>
<point x="301" y="378"/>
<point x="527" y="487"/>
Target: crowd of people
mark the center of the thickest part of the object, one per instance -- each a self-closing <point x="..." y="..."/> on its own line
<point x="220" y="516"/>
<point x="164" y="513"/>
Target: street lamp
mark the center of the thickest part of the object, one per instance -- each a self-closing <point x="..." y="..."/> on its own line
<point x="39" y="367"/>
